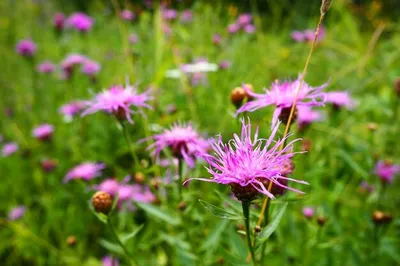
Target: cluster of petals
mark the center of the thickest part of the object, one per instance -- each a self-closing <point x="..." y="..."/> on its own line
<point x="184" y="142"/>
<point x="9" y="148"/>
<point x="16" y="213"/>
<point x="46" y="67"/>
<point x="308" y="212"/>
<point x="250" y="162"/>
<point x="308" y="35"/>
<point x="282" y="95"/>
<point x="127" y="15"/>
<point x="85" y="171"/>
<point x="243" y="22"/>
<point x="306" y="115"/>
<point x="26" y="48"/>
<point x="340" y="99"/>
<point x="118" y="101"/>
<point x="386" y="171"/>
<point x="43" y="131"/>
<point x="80" y="21"/>
<point x="71" y="109"/>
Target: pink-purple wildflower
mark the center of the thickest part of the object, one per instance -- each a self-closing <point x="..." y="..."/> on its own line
<point x="340" y="99"/>
<point x="169" y="14"/>
<point x="233" y="28"/>
<point x="90" y="68"/>
<point x="308" y="35"/>
<point x="9" y="148"/>
<point x="85" y="171"/>
<point x="248" y="164"/>
<point x="71" y="62"/>
<point x="127" y="15"/>
<point x="80" y="21"/>
<point x="282" y="95"/>
<point x="59" y="21"/>
<point x="184" y="142"/>
<point x="244" y="23"/>
<point x="133" y="38"/>
<point x="217" y="39"/>
<point x="46" y="67"/>
<point x="16" y="213"/>
<point x="386" y="171"/>
<point x="43" y="132"/>
<point x="110" y="261"/>
<point x="73" y="108"/>
<point x="224" y="64"/>
<point x="308" y="212"/>
<point x="26" y="48"/>
<point x="306" y="115"/>
<point x="186" y="16"/>
<point x="118" y="101"/>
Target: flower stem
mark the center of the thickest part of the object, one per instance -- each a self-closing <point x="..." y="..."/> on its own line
<point x="180" y="172"/>
<point x="129" y="258"/>
<point x="246" y="212"/>
<point x="129" y="142"/>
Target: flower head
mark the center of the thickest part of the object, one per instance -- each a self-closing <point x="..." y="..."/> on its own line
<point x="306" y="115"/>
<point x="298" y="36"/>
<point x="186" y="16"/>
<point x="26" y="48"/>
<point x="90" y="68"/>
<point x="118" y="101"/>
<point x="340" y="99"/>
<point x="308" y="212"/>
<point x="184" y="142"/>
<point x="233" y="28"/>
<point x="133" y="38"/>
<point x="127" y="15"/>
<point x="386" y="171"/>
<point x="46" y="67"/>
<point x="217" y="39"/>
<point x="85" y="171"/>
<point x="110" y="261"/>
<point x="9" y="148"/>
<point x="248" y="164"/>
<point x="244" y="19"/>
<point x="43" y="132"/>
<point x="169" y="14"/>
<point x="73" y="108"/>
<point x="282" y="95"/>
<point x="80" y="21"/>
<point x="109" y="185"/>
<point x="250" y="28"/>
<point x="59" y="21"/>
<point x="70" y="62"/>
<point x="16" y="213"/>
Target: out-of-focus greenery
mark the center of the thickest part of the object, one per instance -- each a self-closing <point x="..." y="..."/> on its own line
<point x="343" y="152"/>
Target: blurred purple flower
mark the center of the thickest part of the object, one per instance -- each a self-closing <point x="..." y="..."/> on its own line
<point x="169" y="14"/>
<point x="80" y="21"/>
<point x="90" y="68"/>
<point x="9" y="148"/>
<point x="224" y="64"/>
<point x="217" y="39"/>
<point x="244" y="19"/>
<point x="109" y="185"/>
<point x="183" y="141"/>
<point x="308" y="212"/>
<point x="340" y="99"/>
<point x="306" y="115"/>
<point x="127" y="15"/>
<point x="85" y="171"/>
<point x="16" y="213"/>
<point x="48" y="165"/>
<point x="46" y="67"/>
<point x="43" y="132"/>
<point x="70" y="62"/>
<point x="282" y="95"/>
<point x="367" y="187"/>
<point x="248" y="165"/>
<point x="73" y="108"/>
<point x="233" y="28"/>
<point x="250" y="28"/>
<point x="298" y="36"/>
<point x="386" y="171"/>
<point x="133" y="38"/>
<point x="110" y="261"/>
<point x="186" y="16"/>
<point x="118" y="101"/>
<point x="59" y="21"/>
<point x="308" y="35"/>
<point x="26" y="48"/>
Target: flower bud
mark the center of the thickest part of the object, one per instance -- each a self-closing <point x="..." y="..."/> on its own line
<point x="307" y="144"/>
<point x="102" y="202"/>
<point x="285" y="113"/>
<point x="372" y="126"/>
<point x="257" y="229"/>
<point x="139" y="178"/>
<point x="71" y="241"/>
<point x="321" y="220"/>
<point x="182" y="206"/>
<point x="397" y="86"/>
<point x="154" y="183"/>
<point x="248" y="87"/>
<point x="238" y="94"/>
<point x="379" y="217"/>
<point x="48" y="165"/>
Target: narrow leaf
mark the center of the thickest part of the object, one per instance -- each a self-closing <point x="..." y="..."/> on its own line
<point x="214" y="236"/>
<point x="219" y="212"/>
<point x="115" y="248"/>
<point x="267" y="231"/>
<point x="125" y="238"/>
<point x="158" y="213"/>
<point x="352" y="163"/>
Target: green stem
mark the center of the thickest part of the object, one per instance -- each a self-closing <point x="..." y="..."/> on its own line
<point x="129" y="142"/>
<point x="246" y="214"/>
<point x="128" y="256"/>
<point x="180" y="172"/>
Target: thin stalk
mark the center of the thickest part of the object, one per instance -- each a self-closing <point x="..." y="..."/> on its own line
<point x="128" y="256"/>
<point x="266" y="219"/>
<point x="129" y="142"/>
<point x="180" y="172"/>
<point x="246" y="214"/>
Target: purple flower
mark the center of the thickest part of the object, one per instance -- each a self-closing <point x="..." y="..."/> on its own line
<point x="90" y="68"/>
<point x="308" y="212"/>
<point x="72" y="108"/>
<point x="386" y="171"/>
<point x="217" y="39"/>
<point x="364" y="186"/>
<point x="298" y="36"/>
<point x="127" y="15"/>
<point x="43" y="132"/>
<point x="118" y="101"/>
<point x="9" y="148"/>
<point x="248" y="165"/>
<point x="184" y="142"/>
<point x="48" y="165"/>
<point x="224" y="64"/>
<point x="16" y="213"/>
<point x="26" y="48"/>
<point x="80" y="21"/>
<point x="306" y="115"/>
<point x="244" y="19"/>
<point x="46" y="67"/>
<point x="340" y="99"/>
<point x="142" y="194"/>
<point x="169" y="14"/>
<point x="308" y="35"/>
<point x="70" y="62"/>
<point x="85" y="171"/>
<point x="59" y="21"/>
<point x="110" y="261"/>
<point x="133" y="38"/>
<point x="250" y="28"/>
<point x="109" y="185"/>
<point x="186" y="16"/>
<point x="233" y="28"/>
<point x="282" y="95"/>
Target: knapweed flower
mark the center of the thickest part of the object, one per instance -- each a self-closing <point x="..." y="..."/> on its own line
<point x="48" y="165"/>
<point x="90" y="68"/>
<point x="183" y="141"/>
<point x="9" y="148"/>
<point x="133" y="38"/>
<point x="340" y="99"/>
<point x="306" y="115"/>
<point x="26" y="48"/>
<point x="224" y="64"/>
<point x="217" y="39"/>
<point x="186" y="16"/>
<point x="308" y="35"/>
<point x="46" y="67"/>
<point x="249" y="28"/>
<point x="298" y="36"/>
<point x="59" y="21"/>
<point x="16" y="213"/>
<point x="109" y="185"/>
<point x="43" y="132"/>
<point x="282" y="95"/>
<point x="110" y="261"/>
<point x="233" y="28"/>
<point x="248" y="164"/>
<point x="85" y="171"/>
<point x="71" y="109"/>
<point x="127" y="15"/>
<point x="365" y="187"/>
<point x="308" y="212"/>
<point x="80" y="21"/>
<point x="386" y="171"/>
<point x="169" y="14"/>
<point x="244" y="19"/>
<point x="70" y="62"/>
<point x="118" y="101"/>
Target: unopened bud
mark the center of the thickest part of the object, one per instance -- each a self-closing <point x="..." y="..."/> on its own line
<point x="307" y="144"/>
<point x="182" y="206"/>
<point x="257" y="229"/>
<point x="248" y="87"/>
<point x="102" y="202"/>
<point x="154" y="183"/>
<point x="372" y="126"/>
<point x="397" y="86"/>
<point x="139" y="178"/>
<point x="71" y="241"/>
<point x="321" y="220"/>
<point x="379" y="217"/>
<point x="238" y="95"/>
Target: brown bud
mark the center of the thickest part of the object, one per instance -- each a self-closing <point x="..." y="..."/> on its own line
<point x="379" y="217"/>
<point x="154" y="183"/>
<point x="48" y="165"/>
<point x="285" y="113"/>
<point x="257" y="229"/>
<point x="182" y="206"/>
<point x="307" y="144"/>
<point x="71" y="241"/>
<point x="397" y="86"/>
<point x="139" y="178"/>
<point x="248" y="87"/>
<point x="237" y="96"/>
<point x="102" y="202"/>
<point x="247" y="193"/>
<point x="321" y="220"/>
<point x="372" y="126"/>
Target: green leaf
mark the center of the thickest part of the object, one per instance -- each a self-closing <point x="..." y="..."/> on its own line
<point x="352" y="163"/>
<point x="214" y="236"/>
<point x="126" y="237"/>
<point x="219" y="212"/>
<point x="267" y="231"/>
<point x="101" y="216"/>
<point x="115" y="248"/>
<point x="158" y="213"/>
